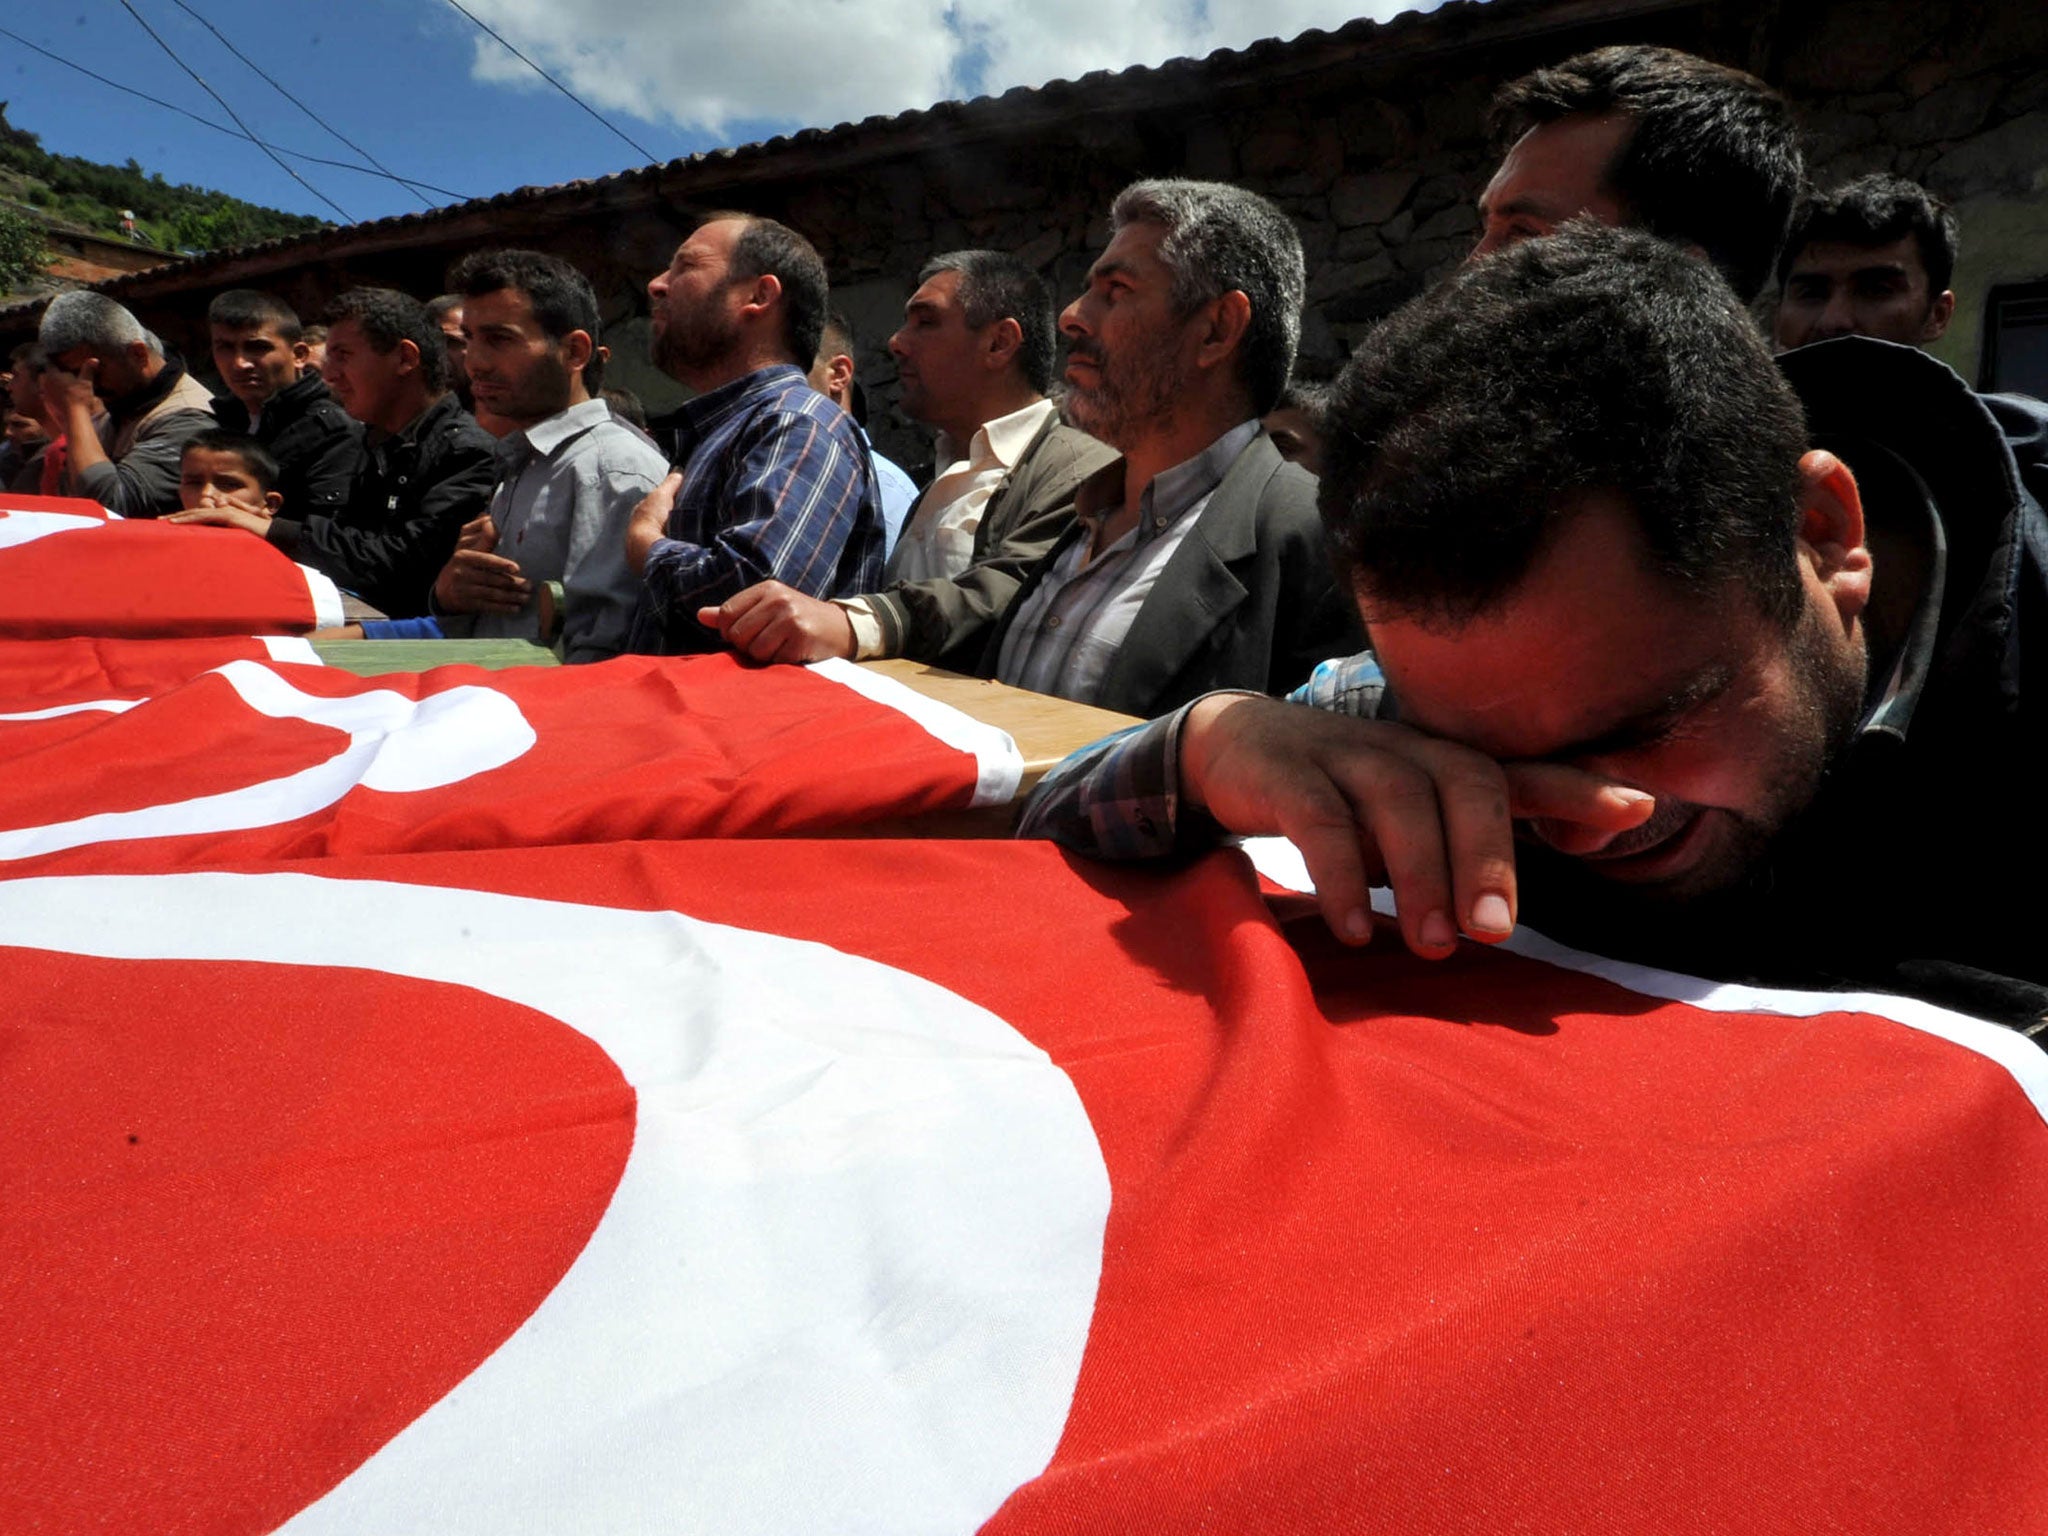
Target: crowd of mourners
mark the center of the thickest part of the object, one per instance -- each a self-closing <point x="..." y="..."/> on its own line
<point x="1577" y="594"/>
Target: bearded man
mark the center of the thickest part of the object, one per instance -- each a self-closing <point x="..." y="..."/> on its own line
<point x="772" y="479"/>
<point x="1195" y="560"/>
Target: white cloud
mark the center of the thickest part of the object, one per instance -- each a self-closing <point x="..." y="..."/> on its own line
<point x="703" y="65"/>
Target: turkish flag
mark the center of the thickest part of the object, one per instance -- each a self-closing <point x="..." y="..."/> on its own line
<point x="46" y="674"/>
<point x="70" y="567"/>
<point x="784" y="1185"/>
<point x="254" y="759"/>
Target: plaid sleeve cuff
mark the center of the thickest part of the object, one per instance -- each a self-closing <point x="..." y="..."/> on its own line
<point x="1114" y="799"/>
<point x="1119" y="798"/>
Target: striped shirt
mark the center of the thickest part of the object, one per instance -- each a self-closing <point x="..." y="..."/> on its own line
<point x="1119" y="798"/>
<point x="776" y="486"/>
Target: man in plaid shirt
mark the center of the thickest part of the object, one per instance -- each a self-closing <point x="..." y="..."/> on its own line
<point x="773" y="482"/>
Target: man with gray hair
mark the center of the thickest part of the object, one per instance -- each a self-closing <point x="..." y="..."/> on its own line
<point x="1196" y="560"/>
<point x="98" y="351"/>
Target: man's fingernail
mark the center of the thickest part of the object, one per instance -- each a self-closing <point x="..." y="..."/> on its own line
<point x="1437" y="933"/>
<point x="1357" y="925"/>
<point x="1490" y="914"/>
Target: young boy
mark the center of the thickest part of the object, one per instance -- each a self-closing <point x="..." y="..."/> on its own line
<point x="260" y="349"/>
<point x="228" y="481"/>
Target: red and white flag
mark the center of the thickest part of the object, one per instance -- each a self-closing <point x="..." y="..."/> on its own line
<point x="70" y="567"/>
<point x="256" y="759"/>
<point x="900" y="1187"/>
<point x="52" y="674"/>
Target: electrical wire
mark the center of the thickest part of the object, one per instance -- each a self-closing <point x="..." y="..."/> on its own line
<point x="319" y="121"/>
<point x="640" y="150"/>
<point x="127" y="5"/>
<point x="233" y="133"/>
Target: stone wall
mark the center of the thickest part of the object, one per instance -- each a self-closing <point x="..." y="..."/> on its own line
<point x="1382" y="182"/>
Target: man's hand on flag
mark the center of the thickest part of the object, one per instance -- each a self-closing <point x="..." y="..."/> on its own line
<point x="773" y="622"/>
<point x="1370" y="801"/>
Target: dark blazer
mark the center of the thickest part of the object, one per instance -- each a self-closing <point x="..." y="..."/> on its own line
<point x="1249" y="600"/>
<point x="945" y="622"/>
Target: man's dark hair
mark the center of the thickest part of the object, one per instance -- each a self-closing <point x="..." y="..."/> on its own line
<point x="1876" y="210"/>
<point x="386" y="317"/>
<point x="836" y="337"/>
<point x="313" y="335"/>
<point x="768" y="249"/>
<point x="247" y="309"/>
<point x="1300" y="395"/>
<point x="1477" y="419"/>
<point x="626" y="406"/>
<point x="995" y="285"/>
<point x="561" y="296"/>
<point x="1713" y="159"/>
<point x="257" y="459"/>
<point x="1218" y="238"/>
<point x="438" y="308"/>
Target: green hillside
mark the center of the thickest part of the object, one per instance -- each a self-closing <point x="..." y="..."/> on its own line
<point x="169" y="215"/>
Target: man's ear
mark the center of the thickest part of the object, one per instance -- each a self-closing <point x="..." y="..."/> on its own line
<point x="839" y="376"/>
<point x="999" y="348"/>
<point x="1831" y="536"/>
<point x="301" y="353"/>
<point x="1224" y="322"/>
<point x="408" y="355"/>
<point x="577" y="350"/>
<point x="766" y="289"/>
<point x="274" y="500"/>
<point x="1939" y="313"/>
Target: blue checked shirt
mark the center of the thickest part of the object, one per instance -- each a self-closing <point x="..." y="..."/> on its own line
<point x="1119" y="798"/>
<point x="776" y="485"/>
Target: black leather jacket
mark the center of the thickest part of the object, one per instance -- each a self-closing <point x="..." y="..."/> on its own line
<point x="418" y="487"/>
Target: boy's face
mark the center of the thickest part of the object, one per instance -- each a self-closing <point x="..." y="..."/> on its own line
<point x="212" y="477"/>
<point x="255" y="362"/>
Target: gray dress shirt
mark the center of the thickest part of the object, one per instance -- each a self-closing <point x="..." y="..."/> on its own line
<point x="568" y="489"/>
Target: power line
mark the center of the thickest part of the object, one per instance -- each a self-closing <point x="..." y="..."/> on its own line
<point x="643" y="152"/>
<point x="228" y="44"/>
<point x="233" y="133"/>
<point x="347" y="217"/>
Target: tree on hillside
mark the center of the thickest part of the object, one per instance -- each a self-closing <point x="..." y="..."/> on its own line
<point x="21" y="250"/>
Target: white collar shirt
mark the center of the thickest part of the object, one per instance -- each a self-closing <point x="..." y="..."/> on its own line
<point x="938" y="541"/>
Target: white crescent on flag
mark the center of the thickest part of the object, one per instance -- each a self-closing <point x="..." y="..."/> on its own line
<point x="392" y="743"/>
<point x="845" y="1279"/>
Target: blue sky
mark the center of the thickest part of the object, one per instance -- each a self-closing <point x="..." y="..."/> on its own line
<point x="425" y="92"/>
